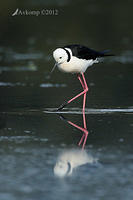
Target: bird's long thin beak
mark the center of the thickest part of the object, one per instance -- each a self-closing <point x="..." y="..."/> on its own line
<point x="53" y="68"/>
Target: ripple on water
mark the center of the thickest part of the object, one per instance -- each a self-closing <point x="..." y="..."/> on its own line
<point x="21" y="139"/>
<point x="42" y="85"/>
<point x="90" y="110"/>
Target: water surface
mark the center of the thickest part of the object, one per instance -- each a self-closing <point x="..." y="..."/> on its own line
<point x="31" y="139"/>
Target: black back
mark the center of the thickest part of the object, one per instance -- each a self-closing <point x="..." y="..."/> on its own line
<point x="83" y="52"/>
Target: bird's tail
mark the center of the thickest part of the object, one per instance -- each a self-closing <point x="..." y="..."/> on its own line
<point x="105" y="53"/>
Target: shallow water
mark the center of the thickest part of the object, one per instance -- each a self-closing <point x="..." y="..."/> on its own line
<point x="33" y="138"/>
<point x="30" y="146"/>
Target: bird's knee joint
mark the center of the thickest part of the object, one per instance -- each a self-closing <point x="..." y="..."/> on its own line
<point x="86" y="90"/>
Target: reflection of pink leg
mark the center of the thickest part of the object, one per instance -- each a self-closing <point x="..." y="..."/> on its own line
<point x="85" y="133"/>
<point x="84" y="137"/>
<point x="84" y="122"/>
<point x="78" y="127"/>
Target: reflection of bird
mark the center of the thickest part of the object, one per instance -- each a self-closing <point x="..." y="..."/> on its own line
<point x="76" y="59"/>
<point x="71" y="159"/>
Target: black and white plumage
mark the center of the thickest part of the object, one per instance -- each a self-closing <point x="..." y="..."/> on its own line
<point x="76" y="58"/>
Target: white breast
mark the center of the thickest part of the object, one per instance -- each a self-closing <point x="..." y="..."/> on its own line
<point x="76" y="65"/>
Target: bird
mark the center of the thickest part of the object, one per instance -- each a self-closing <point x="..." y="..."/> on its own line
<point x="75" y="59"/>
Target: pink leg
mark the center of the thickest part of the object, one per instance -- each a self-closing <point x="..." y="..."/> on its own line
<point x="77" y="96"/>
<point x="84" y="130"/>
<point x="81" y="81"/>
<point x="84" y="100"/>
<point x="85" y="84"/>
<point x="85" y="134"/>
<point x="85" y="87"/>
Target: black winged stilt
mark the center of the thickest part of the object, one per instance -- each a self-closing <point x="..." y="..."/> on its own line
<point x="76" y="59"/>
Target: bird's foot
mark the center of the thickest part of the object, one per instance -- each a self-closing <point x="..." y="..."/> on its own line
<point x="62" y="106"/>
